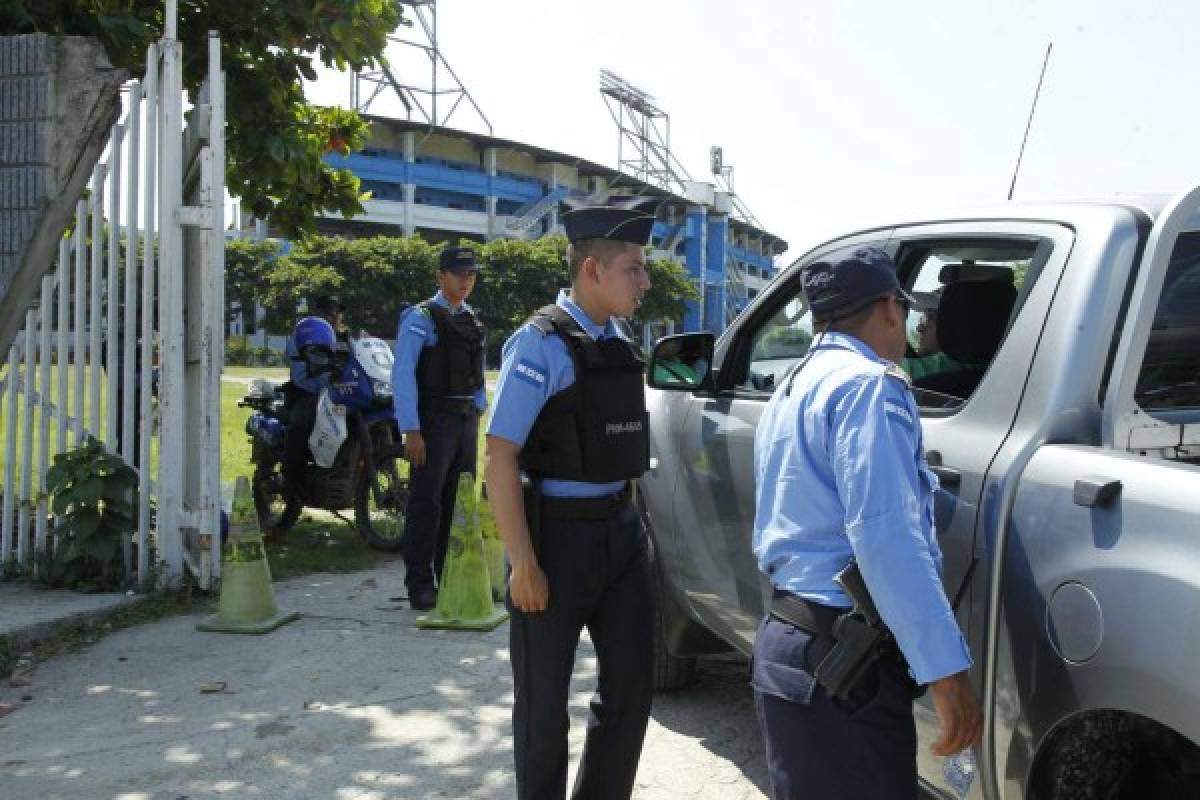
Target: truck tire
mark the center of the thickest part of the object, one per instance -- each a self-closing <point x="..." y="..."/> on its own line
<point x="670" y="672"/>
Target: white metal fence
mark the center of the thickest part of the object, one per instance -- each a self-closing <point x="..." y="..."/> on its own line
<point x="136" y="362"/>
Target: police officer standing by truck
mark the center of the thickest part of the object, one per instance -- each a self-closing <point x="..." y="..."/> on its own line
<point x="438" y="390"/>
<point x="570" y="412"/>
<point x="844" y="516"/>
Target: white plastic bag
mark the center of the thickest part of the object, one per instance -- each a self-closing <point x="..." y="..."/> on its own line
<point x="328" y="432"/>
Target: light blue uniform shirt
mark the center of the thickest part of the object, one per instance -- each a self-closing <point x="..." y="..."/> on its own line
<point x="840" y="473"/>
<point x="535" y="367"/>
<point x="415" y="332"/>
<point x="299" y="370"/>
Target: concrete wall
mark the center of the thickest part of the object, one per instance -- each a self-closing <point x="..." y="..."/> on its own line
<point x="58" y="100"/>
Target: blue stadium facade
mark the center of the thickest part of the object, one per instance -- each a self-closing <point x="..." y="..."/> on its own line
<point x="446" y="184"/>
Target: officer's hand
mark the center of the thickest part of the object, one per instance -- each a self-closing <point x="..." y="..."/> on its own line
<point x="959" y="712"/>
<point x="527" y="587"/>
<point x="414" y="448"/>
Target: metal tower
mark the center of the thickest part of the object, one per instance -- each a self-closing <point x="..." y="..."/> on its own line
<point x="723" y="175"/>
<point x="434" y="97"/>
<point x="643" y="134"/>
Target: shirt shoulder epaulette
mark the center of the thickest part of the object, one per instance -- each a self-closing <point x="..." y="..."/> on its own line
<point x="895" y="371"/>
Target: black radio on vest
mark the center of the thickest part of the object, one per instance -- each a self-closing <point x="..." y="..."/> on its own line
<point x="454" y="366"/>
<point x="595" y="430"/>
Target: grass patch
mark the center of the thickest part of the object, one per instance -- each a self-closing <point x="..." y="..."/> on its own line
<point x="321" y="542"/>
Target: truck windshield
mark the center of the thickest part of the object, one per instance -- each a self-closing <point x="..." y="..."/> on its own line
<point x="1170" y="374"/>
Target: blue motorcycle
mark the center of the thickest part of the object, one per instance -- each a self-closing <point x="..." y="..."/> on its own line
<point x="354" y="449"/>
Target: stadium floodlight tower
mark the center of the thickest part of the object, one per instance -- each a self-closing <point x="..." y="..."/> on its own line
<point x="643" y="134"/>
<point x="421" y="80"/>
<point x="723" y="175"/>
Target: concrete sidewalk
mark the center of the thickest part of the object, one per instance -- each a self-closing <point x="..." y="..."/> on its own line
<point x="27" y="612"/>
<point x="350" y="703"/>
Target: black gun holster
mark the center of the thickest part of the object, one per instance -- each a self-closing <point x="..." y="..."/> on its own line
<point x="532" y="495"/>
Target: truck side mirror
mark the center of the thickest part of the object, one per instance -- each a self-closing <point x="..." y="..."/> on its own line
<point x="682" y="362"/>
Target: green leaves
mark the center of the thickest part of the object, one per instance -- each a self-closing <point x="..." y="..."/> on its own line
<point x="275" y="140"/>
<point x="93" y="496"/>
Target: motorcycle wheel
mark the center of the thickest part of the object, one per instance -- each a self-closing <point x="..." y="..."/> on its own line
<point x="275" y="513"/>
<point x="379" y="506"/>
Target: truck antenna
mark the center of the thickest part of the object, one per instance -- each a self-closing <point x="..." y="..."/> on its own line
<point x="1029" y="124"/>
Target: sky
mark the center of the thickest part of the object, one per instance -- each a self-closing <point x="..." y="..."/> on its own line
<point x="841" y="115"/>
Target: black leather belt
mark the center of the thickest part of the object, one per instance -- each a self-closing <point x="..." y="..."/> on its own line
<point x="812" y="617"/>
<point x="460" y="406"/>
<point x="589" y="508"/>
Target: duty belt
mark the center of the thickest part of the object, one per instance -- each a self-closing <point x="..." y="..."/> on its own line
<point x="462" y="406"/>
<point x="587" y="508"/>
<point x="805" y="614"/>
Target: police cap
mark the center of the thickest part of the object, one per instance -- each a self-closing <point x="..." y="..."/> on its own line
<point x="846" y="280"/>
<point x="458" y="260"/>
<point x="622" y="218"/>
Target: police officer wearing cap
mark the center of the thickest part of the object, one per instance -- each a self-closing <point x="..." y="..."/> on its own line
<point x="841" y="477"/>
<point x="570" y="413"/>
<point x="438" y="387"/>
<point x="307" y="383"/>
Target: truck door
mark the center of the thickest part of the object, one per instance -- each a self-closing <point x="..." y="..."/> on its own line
<point x="982" y="283"/>
<point x="714" y="503"/>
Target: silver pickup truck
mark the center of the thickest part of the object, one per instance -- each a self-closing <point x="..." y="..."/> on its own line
<point x="1062" y="417"/>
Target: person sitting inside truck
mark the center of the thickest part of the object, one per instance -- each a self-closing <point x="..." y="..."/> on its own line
<point x="972" y="318"/>
<point x="927" y="357"/>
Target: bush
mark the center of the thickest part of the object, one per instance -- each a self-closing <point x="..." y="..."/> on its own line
<point x="237" y="352"/>
<point x="94" y="496"/>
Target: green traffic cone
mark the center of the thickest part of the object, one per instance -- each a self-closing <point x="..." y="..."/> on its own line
<point x="493" y="550"/>
<point x="247" y="600"/>
<point x="465" y="592"/>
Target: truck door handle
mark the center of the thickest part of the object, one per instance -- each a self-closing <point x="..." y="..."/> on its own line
<point x="1096" y="491"/>
<point x="947" y="476"/>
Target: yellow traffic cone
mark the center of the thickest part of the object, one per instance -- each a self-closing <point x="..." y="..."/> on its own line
<point x="465" y="592"/>
<point x="247" y="601"/>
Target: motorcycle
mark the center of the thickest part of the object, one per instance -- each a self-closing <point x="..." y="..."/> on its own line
<point x="354" y="449"/>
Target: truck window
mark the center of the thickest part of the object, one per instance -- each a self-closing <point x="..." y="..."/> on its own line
<point x="779" y="344"/>
<point x="969" y="293"/>
<point x="1170" y="374"/>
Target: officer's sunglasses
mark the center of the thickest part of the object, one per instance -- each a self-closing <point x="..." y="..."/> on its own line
<point x="902" y="301"/>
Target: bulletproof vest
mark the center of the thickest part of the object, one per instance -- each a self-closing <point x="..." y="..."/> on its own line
<point x="453" y="366"/>
<point x="595" y="430"/>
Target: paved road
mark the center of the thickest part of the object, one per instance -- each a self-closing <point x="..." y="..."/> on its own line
<point x="350" y="703"/>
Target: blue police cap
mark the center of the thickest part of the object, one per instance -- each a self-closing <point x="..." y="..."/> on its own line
<point x="458" y="259"/>
<point x="622" y="218"/>
<point x="845" y="280"/>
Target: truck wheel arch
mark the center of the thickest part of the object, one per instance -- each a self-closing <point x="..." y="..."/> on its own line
<point x="1114" y="755"/>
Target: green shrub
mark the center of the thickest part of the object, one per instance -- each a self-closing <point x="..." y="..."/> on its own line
<point x="94" y="497"/>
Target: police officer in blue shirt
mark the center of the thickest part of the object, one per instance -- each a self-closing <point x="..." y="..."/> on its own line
<point x="570" y="411"/>
<point x="438" y="390"/>
<point x="841" y="477"/>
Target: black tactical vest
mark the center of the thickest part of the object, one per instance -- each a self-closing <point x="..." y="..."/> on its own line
<point x="454" y="366"/>
<point x="595" y="430"/>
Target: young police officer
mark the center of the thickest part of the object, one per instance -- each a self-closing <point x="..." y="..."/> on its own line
<point x="570" y="411"/>
<point x="841" y="477"/>
<point x="437" y="381"/>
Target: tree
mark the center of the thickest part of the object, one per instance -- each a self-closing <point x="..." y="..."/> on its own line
<point x="276" y="141"/>
<point x="374" y="277"/>
<point x="519" y="276"/>
<point x="248" y="263"/>
<point x="670" y="289"/>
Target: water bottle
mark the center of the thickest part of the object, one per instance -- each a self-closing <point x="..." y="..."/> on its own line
<point x="959" y="772"/>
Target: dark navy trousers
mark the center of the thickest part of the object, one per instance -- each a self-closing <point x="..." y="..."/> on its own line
<point x="451" y="447"/>
<point x="860" y="748"/>
<point x="599" y="578"/>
